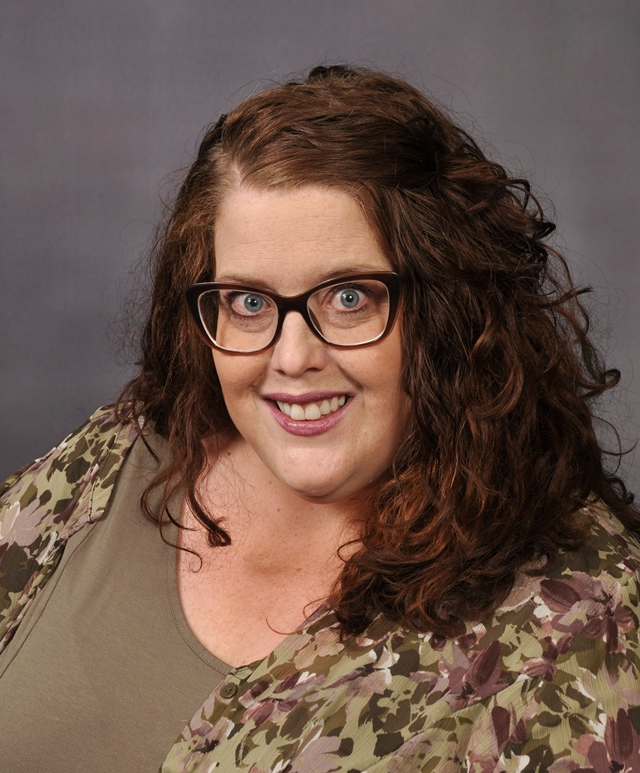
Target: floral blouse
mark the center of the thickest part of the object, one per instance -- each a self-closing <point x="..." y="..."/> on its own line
<point x="549" y="682"/>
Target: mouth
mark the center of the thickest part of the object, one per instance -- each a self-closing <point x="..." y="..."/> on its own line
<point x="311" y="411"/>
<point x="310" y="414"/>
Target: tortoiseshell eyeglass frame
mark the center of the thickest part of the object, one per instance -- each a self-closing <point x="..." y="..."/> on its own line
<point x="298" y="303"/>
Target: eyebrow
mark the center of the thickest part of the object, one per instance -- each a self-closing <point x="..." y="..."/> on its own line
<point x="354" y="268"/>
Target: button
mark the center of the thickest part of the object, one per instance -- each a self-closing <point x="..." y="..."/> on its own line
<point x="229" y="690"/>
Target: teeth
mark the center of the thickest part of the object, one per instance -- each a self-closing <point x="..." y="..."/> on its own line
<point x="297" y="412"/>
<point x="313" y="411"/>
<point x="284" y="407"/>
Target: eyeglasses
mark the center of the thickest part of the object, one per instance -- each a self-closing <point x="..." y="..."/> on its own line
<point x="355" y="310"/>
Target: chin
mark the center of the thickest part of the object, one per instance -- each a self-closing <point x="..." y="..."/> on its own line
<point x="317" y="488"/>
<point x="324" y="478"/>
<point x="323" y="489"/>
<point x="321" y="492"/>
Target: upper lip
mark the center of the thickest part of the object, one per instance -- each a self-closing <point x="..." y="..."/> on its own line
<point x="307" y="397"/>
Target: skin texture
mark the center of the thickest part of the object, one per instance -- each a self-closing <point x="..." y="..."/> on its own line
<point x="289" y="502"/>
<point x="288" y="242"/>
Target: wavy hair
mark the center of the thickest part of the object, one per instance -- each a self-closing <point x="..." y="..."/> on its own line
<point x="502" y="452"/>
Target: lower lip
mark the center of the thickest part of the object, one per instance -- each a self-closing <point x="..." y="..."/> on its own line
<point x="307" y="428"/>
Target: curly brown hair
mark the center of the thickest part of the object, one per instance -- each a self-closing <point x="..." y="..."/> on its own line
<point x="502" y="451"/>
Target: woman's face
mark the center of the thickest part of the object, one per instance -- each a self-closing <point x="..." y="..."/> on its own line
<point x="287" y="242"/>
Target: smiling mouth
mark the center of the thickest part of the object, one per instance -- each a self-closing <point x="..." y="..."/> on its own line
<point x="311" y="411"/>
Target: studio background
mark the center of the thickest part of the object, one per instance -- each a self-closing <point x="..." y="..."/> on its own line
<point x="102" y="99"/>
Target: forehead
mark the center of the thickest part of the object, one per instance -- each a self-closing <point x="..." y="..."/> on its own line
<point x="290" y="240"/>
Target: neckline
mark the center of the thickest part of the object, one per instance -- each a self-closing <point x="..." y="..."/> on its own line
<point x="184" y="629"/>
<point x="177" y="612"/>
<point x="194" y="643"/>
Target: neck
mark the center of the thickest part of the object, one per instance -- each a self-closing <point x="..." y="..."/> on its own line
<point x="274" y="528"/>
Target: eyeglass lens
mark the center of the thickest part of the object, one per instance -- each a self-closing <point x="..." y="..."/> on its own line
<point x="348" y="314"/>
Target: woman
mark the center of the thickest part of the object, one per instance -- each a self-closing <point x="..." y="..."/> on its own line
<point x="363" y="416"/>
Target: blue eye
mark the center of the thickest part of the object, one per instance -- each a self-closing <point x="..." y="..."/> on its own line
<point x="350" y="298"/>
<point x="253" y="303"/>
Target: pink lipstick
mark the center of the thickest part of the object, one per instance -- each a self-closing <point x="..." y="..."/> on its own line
<point x="306" y="427"/>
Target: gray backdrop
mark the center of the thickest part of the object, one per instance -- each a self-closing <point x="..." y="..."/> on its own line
<point x="102" y="98"/>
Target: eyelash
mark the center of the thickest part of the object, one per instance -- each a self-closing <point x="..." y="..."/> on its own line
<point x="330" y="294"/>
<point x="233" y="294"/>
<point x="335" y="290"/>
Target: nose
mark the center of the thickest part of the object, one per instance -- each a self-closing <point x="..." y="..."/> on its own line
<point x="298" y="349"/>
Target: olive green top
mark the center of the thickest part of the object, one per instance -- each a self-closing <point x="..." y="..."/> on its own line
<point x="104" y="662"/>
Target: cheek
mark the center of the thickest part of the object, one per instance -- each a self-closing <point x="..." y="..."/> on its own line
<point x="395" y="403"/>
<point x="237" y="374"/>
<point x="379" y="373"/>
<point x="386" y="366"/>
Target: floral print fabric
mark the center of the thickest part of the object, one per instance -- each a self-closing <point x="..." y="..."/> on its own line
<point x="549" y="682"/>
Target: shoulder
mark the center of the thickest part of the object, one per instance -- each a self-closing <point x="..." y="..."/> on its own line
<point x="553" y="676"/>
<point x="588" y="600"/>
<point x="89" y="455"/>
<point x="46" y="502"/>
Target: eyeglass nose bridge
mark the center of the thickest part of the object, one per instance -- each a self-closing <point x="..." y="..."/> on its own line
<point x="299" y="303"/>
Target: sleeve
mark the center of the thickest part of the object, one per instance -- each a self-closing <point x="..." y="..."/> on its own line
<point x="532" y="727"/>
<point x="581" y="709"/>
<point x="579" y="712"/>
<point x="576" y="721"/>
